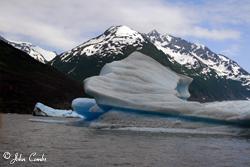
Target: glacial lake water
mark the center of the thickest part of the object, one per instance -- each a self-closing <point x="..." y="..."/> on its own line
<point x="122" y="140"/>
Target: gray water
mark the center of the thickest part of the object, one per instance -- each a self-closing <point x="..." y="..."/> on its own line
<point x="123" y="140"/>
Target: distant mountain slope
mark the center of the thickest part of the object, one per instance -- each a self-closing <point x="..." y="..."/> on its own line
<point x="193" y="56"/>
<point x="36" y="52"/>
<point x="25" y="81"/>
<point x="215" y="76"/>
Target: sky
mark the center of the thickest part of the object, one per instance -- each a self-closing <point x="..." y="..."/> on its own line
<point x="221" y="25"/>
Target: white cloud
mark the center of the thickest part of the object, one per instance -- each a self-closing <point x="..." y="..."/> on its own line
<point x="65" y="23"/>
<point x="215" y="34"/>
<point x="38" y="30"/>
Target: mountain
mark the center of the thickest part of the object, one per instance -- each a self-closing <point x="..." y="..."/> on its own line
<point x="25" y="81"/>
<point x="193" y="56"/>
<point x="88" y="58"/>
<point x="215" y="77"/>
<point x="34" y="51"/>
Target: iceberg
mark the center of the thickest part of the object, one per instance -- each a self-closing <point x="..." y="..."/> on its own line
<point x="87" y="107"/>
<point x="81" y="105"/>
<point x="139" y="82"/>
<point x="84" y="108"/>
<point x="43" y="110"/>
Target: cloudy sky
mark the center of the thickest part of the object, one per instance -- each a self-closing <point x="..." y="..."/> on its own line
<point x="222" y="25"/>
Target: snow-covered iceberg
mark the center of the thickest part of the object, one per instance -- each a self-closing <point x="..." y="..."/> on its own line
<point x="43" y="110"/>
<point x="139" y="82"/>
<point x="84" y="108"/>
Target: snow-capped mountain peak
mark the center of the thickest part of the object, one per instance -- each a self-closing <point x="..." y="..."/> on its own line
<point x="112" y="41"/>
<point x="123" y="31"/>
<point x="34" y="51"/>
<point x="156" y="36"/>
<point x="154" y="33"/>
<point x="194" y="56"/>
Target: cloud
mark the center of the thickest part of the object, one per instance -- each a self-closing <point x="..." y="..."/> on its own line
<point x="215" y="34"/>
<point x="38" y="30"/>
<point x="65" y="23"/>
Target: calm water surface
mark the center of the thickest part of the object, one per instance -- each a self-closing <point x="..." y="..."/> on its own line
<point x="64" y="144"/>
